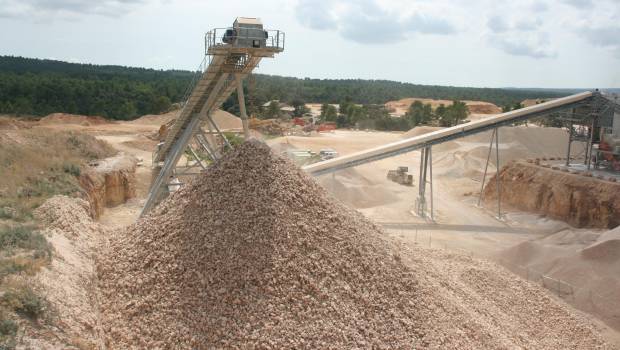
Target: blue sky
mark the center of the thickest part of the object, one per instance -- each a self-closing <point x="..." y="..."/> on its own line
<point x="522" y="43"/>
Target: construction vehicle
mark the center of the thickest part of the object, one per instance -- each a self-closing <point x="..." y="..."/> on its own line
<point x="328" y="153"/>
<point x="401" y="176"/>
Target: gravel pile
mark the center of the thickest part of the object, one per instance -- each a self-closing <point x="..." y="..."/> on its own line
<point x="254" y="254"/>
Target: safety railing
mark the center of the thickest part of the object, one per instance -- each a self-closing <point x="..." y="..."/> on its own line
<point x="274" y="39"/>
<point x="186" y="95"/>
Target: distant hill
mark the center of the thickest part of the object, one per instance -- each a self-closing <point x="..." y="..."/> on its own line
<point x="40" y="87"/>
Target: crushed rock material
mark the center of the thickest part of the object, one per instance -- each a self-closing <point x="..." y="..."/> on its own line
<point x="68" y="283"/>
<point x="255" y="254"/>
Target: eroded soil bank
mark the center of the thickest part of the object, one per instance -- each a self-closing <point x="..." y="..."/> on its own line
<point x="578" y="199"/>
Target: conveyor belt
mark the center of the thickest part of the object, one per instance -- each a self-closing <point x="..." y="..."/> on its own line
<point x="447" y="134"/>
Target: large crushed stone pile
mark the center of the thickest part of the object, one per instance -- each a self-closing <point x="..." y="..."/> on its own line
<point x="254" y="254"/>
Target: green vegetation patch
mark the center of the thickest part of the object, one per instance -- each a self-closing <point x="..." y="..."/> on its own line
<point x="25" y="301"/>
<point x="37" y="164"/>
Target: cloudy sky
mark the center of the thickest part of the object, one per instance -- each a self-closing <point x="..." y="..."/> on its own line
<point x="521" y="43"/>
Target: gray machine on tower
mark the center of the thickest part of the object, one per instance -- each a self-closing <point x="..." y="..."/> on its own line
<point x="230" y="56"/>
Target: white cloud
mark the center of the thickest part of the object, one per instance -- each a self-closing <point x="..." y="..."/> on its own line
<point x="367" y="22"/>
<point x="535" y="46"/>
<point x="42" y="9"/>
<point x="581" y="4"/>
<point x="607" y="37"/>
<point x="520" y="35"/>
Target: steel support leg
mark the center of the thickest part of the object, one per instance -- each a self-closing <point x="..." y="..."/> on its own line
<point x="589" y="156"/>
<point x="204" y="144"/>
<point x="430" y="165"/>
<point x="241" y="98"/>
<point x="195" y="155"/>
<point x="421" y="186"/>
<point x="421" y="202"/>
<point x="570" y="140"/>
<point x="217" y="129"/>
<point x="499" y="201"/>
<point x="173" y="157"/>
<point x="486" y="167"/>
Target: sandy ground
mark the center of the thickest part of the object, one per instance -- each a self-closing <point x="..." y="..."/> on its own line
<point x="459" y="223"/>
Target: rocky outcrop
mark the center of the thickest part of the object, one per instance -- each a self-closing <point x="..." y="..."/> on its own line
<point x="580" y="200"/>
<point x="109" y="182"/>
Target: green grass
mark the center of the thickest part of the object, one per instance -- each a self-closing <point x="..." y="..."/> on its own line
<point x="8" y="331"/>
<point x="24" y="237"/>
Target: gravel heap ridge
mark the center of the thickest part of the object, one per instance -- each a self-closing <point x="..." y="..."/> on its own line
<point x="254" y="254"/>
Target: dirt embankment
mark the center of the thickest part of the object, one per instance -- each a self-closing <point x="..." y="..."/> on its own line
<point x="68" y="282"/>
<point x="64" y="118"/>
<point x="577" y="199"/>
<point x="109" y="182"/>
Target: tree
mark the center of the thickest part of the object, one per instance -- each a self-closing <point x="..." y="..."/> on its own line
<point x="324" y="107"/>
<point x="331" y="113"/>
<point x="341" y="121"/>
<point x="419" y="113"/>
<point x="22" y="106"/>
<point x="273" y="110"/>
<point x="162" y="104"/>
<point x="300" y="108"/>
<point x="454" y="114"/>
<point x="344" y="105"/>
<point x="460" y="111"/>
<point x="127" y="110"/>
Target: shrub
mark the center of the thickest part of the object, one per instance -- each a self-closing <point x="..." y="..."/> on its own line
<point x="71" y="169"/>
<point x="25" y="301"/>
<point x="8" y="330"/>
<point x="24" y="237"/>
<point x="6" y="213"/>
<point x="8" y="267"/>
<point x="8" y="327"/>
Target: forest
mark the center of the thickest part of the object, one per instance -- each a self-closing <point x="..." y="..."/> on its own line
<point x="38" y="87"/>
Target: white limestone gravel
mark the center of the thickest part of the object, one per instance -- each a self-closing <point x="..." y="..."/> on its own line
<point x="255" y="254"/>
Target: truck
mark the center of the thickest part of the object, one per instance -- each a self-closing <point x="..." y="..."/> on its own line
<point x="400" y="176"/>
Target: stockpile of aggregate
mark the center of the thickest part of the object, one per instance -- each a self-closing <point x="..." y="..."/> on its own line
<point x="254" y="254"/>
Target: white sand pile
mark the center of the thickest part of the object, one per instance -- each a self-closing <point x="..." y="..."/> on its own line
<point x="350" y="187"/>
<point x="156" y="119"/>
<point x="223" y="119"/>
<point x="587" y="260"/>
<point x="607" y="247"/>
<point x="254" y="254"/>
<point x="420" y="130"/>
<point x="226" y="121"/>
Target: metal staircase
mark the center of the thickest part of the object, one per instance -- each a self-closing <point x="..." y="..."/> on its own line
<point x="231" y="54"/>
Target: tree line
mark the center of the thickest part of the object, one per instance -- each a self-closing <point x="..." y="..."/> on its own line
<point x="39" y="87"/>
<point x="377" y="117"/>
